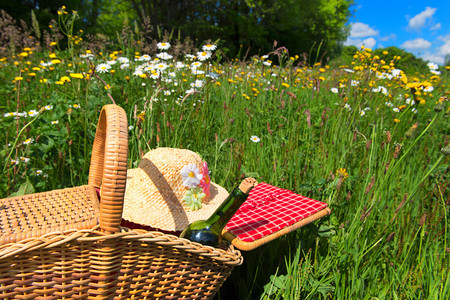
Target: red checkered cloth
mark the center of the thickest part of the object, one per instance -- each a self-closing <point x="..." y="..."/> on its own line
<point x="269" y="209"/>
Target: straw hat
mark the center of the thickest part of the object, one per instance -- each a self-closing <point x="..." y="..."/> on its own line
<point x="164" y="192"/>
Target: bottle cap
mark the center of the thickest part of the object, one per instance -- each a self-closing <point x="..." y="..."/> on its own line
<point x="247" y="184"/>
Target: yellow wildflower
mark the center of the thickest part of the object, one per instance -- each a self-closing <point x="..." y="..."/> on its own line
<point x="76" y="75"/>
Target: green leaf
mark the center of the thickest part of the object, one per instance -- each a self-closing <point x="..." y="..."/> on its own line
<point x="24" y="189"/>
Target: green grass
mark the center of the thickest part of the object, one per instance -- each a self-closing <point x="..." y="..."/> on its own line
<point x="387" y="235"/>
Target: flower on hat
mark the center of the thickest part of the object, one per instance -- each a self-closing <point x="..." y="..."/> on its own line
<point x="205" y="182"/>
<point x="193" y="198"/>
<point x="191" y="176"/>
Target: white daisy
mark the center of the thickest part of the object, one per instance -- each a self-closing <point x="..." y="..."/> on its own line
<point x="209" y="47"/>
<point x="255" y="139"/>
<point x="334" y="90"/>
<point x="164" y="55"/>
<point x="103" y="68"/>
<point x="204" y="55"/>
<point x="191" y="176"/>
<point x="144" y="57"/>
<point x="163" y="46"/>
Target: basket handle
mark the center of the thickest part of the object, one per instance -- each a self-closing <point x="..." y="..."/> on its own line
<point x="108" y="167"/>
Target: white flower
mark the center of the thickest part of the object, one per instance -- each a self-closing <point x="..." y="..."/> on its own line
<point x="48" y="107"/>
<point x="144" y="57"/>
<point x="25" y="159"/>
<point x="267" y="63"/>
<point x="190" y="56"/>
<point x="409" y="101"/>
<point x="204" y="55"/>
<point x="191" y="91"/>
<point x="124" y="66"/>
<point x="396" y="109"/>
<point x="196" y="64"/>
<point x="435" y="72"/>
<point x="111" y="62"/>
<point x="428" y="89"/>
<point x="161" y="66"/>
<point x="334" y="90"/>
<point x="55" y="122"/>
<point x="209" y="47"/>
<point x="389" y="104"/>
<point x="123" y="60"/>
<point x="354" y="83"/>
<point x="164" y="55"/>
<point x="349" y="70"/>
<point x="197" y="83"/>
<point x="32" y="113"/>
<point x="163" y="46"/>
<point x="10" y="114"/>
<point x="347" y="106"/>
<point x="432" y="65"/>
<point x="28" y="141"/>
<point x="264" y="56"/>
<point x="39" y="172"/>
<point x="191" y="176"/>
<point x="103" y="68"/>
<point x="255" y="139"/>
<point x="362" y="113"/>
<point x="179" y="65"/>
<point x="396" y="72"/>
<point x="197" y="72"/>
<point x="131" y="127"/>
<point x="77" y="106"/>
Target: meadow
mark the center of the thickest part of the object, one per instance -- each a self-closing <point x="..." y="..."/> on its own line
<point x="366" y="138"/>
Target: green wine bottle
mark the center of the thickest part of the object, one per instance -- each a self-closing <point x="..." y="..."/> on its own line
<point x="208" y="232"/>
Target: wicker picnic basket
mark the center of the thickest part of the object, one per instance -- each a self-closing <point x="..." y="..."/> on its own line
<point x="68" y="243"/>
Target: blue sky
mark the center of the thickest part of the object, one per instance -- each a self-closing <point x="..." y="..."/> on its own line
<point x="419" y="27"/>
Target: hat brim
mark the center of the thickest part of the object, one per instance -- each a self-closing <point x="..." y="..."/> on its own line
<point x="162" y="213"/>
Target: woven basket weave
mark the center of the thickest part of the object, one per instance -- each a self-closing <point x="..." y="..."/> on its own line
<point x="64" y="244"/>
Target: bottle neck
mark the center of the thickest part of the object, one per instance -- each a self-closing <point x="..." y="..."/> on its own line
<point x="227" y="209"/>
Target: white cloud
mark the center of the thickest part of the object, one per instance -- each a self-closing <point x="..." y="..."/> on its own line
<point x="386" y="38"/>
<point x="360" y="30"/>
<point x="418" y="21"/>
<point x="369" y="42"/>
<point x="416" y="44"/>
<point x="438" y="56"/>
<point x="436" y="27"/>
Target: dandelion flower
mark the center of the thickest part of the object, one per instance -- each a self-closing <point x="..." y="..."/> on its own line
<point x="342" y="172"/>
<point x="191" y="176"/>
<point x="163" y="46"/>
<point x="103" y="68"/>
<point x="255" y="139"/>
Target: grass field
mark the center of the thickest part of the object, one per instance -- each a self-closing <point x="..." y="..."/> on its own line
<point x="366" y="138"/>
